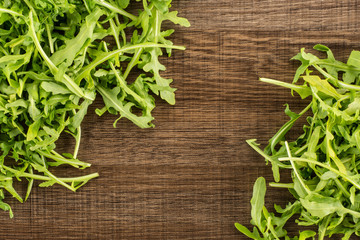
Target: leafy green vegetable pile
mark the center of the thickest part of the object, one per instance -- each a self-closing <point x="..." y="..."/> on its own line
<point x="55" y="56"/>
<point x="324" y="161"/>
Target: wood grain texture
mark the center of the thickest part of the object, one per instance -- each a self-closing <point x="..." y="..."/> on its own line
<point x="191" y="177"/>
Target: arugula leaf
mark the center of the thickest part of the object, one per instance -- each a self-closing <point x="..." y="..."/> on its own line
<point x="55" y="57"/>
<point x="72" y="47"/>
<point x="323" y="161"/>
<point x="257" y="201"/>
<point x="267" y="226"/>
<point x="112" y="101"/>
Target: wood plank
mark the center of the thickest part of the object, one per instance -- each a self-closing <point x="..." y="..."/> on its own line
<point x="304" y="15"/>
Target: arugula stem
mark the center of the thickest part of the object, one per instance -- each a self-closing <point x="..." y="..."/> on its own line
<point x="323" y="227"/>
<point x="113" y="29"/>
<point x="2" y="178"/>
<point x="115" y="9"/>
<point x="33" y="34"/>
<point x="16" y="43"/>
<point x="62" y="159"/>
<point x="11" y="12"/>
<point x="348" y="86"/>
<point x="281" y="185"/>
<point x="67" y="80"/>
<point x="157" y="27"/>
<point x="347" y="178"/>
<point x="284" y="84"/>
<point x="45" y="178"/>
<point x="53" y="177"/>
<point x="311" y="129"/>
<point x="332" y="79"/>
<point x="269" y="225"/>
<point x="123" y="84"/>
<point x="295" y="169"/>
<point x="56" y="153"/>
<point x="286" y="127"/>
<point x="339" y="184"/>
<point x="62" y="28"/>
<point x="51" y="44"/>
<point x="3" y="50"/>
<point x="43" y="160"/>
<point x="77" y="142"/>
<point x="301" y="149"/>
<point x="133" y="62"/>
<point x="112" y="54"/>
<point x="344" y="67"/>
<point x="77" y="137"/>
<point x="30" y="184"/>
<point x="336" y="81"/>
<point x="252" y="144"/>
<point x="117" y="21"/>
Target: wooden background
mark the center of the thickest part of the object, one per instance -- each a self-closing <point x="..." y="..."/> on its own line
<point x="191" y="177"/>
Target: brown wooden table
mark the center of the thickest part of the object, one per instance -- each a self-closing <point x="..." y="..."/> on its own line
<point x="191" y="177"/>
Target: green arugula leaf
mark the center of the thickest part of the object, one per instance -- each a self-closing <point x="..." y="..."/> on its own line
<point x="323" y="161"/>
<point x="55" y="57"/>
<point x="257" y="202"/>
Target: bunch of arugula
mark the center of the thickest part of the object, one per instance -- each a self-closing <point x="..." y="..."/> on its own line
<point x="324" y="161"/>
<point x="55" y="56"/>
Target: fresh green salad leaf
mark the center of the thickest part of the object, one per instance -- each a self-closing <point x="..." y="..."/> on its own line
<point x="55" y="57"/>
<point x="323" y="161"/>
